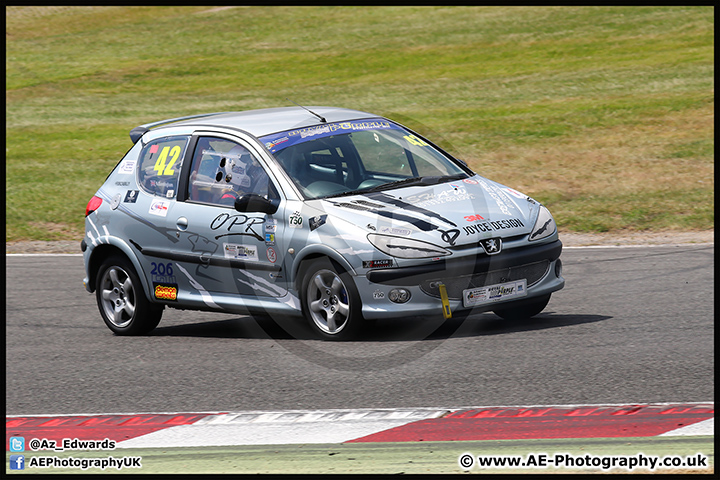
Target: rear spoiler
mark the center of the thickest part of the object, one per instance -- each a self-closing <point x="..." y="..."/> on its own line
<point x="137" y="132"/>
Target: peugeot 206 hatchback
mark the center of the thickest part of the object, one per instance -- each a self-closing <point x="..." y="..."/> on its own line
<point x="334" y="215"/>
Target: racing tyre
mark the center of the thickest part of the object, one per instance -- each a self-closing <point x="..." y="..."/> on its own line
<point x="122" y="301"/>
<point x="330" y="300"/>
<point x="523" y="310"/>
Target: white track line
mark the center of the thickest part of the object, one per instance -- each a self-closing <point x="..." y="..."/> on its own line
<point x="706" y="427"/>
<point x="281" y="428"/>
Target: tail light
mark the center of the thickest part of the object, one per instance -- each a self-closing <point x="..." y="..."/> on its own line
<point x="93" y="205"/>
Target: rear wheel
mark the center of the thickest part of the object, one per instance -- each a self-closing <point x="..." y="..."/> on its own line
<point x="526" y="309"/>
<point x="122" y="301"/>
<point x="330" y="300"/>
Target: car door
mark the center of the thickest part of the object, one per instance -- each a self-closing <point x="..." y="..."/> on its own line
<point x="221" y="250"/>
<point x="147" y="207"/>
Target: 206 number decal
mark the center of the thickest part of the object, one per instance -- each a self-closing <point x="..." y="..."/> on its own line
<point x="162" y="269"/>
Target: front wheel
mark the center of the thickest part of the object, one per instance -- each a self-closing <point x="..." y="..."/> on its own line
<point x="330" y="300"/>
<point x="522" y="310"/>
<point x="122" y="301"/>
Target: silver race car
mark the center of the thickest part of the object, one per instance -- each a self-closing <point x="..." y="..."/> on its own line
<point x="335" y="215"/>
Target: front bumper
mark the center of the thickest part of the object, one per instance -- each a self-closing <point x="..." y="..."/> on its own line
<point x="538" y="265"/>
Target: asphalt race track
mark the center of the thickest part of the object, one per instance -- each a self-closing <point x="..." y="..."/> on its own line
<point x="633" y="325"/>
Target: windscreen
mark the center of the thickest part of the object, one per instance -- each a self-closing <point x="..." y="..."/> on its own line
<point x="357" y="156"/>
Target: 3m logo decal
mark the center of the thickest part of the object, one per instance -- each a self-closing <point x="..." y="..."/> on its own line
<point x="165" y="292"/>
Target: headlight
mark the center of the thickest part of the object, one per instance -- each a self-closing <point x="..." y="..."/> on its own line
<point x="544" y="225"/>
<point x="406" y="247"/>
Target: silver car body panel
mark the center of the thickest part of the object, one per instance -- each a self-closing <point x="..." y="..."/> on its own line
<point x="215" y="258"/>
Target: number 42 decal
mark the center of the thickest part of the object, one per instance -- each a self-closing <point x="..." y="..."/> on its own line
<point x="160" y="166"/>
<point x="415" y="140"/>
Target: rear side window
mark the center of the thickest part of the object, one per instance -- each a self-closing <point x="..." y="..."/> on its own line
<point x="160" y="162"/>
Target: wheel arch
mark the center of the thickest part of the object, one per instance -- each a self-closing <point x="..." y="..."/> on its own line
<point x="105" y="250"/>
<point x="312" y="252"/>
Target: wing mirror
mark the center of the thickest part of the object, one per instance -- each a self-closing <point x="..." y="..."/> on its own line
<point x="252" y="202"/>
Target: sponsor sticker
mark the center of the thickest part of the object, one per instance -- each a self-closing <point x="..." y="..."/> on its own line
<point x="295" y="220"/>
<point x="165" y="291"/>
<point x="240" y="252"/>
<point x="270" y="225"/>
<point x="396" y="231"/>
<point x="493" y="226"/>
<point x="315" y="131"/>
<point x="271" y="255"/>
<point x="131" y="196"/>
<point x="159" y="208"/>
<point x="316" y="222"/>
<point x="449" y="236"/>
<point x="427" y="200"/>
<point x="494" y="293"/>
<point x="127" y="167"/>
<point x="377" y="263"/>
<point x="271" y="145"/>
<point x="495" y="193"/>
<point x="277" y="141"/>
<point x="269" y="239"/>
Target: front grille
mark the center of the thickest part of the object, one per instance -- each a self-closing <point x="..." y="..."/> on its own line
<point x="532" y="272"/>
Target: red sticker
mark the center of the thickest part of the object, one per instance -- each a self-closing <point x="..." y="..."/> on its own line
<point x="154" y="148"/>
<point x="271" y="255"/>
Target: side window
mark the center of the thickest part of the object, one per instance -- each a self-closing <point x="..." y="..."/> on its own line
<point x="160" y="162"/>
<point x="223" y="170"/>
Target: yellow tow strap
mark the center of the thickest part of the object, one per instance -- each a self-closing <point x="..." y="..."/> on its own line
<point x="445" y="302"/>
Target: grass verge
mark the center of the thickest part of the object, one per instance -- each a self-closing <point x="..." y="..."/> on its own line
<point x="605" y="114"/>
